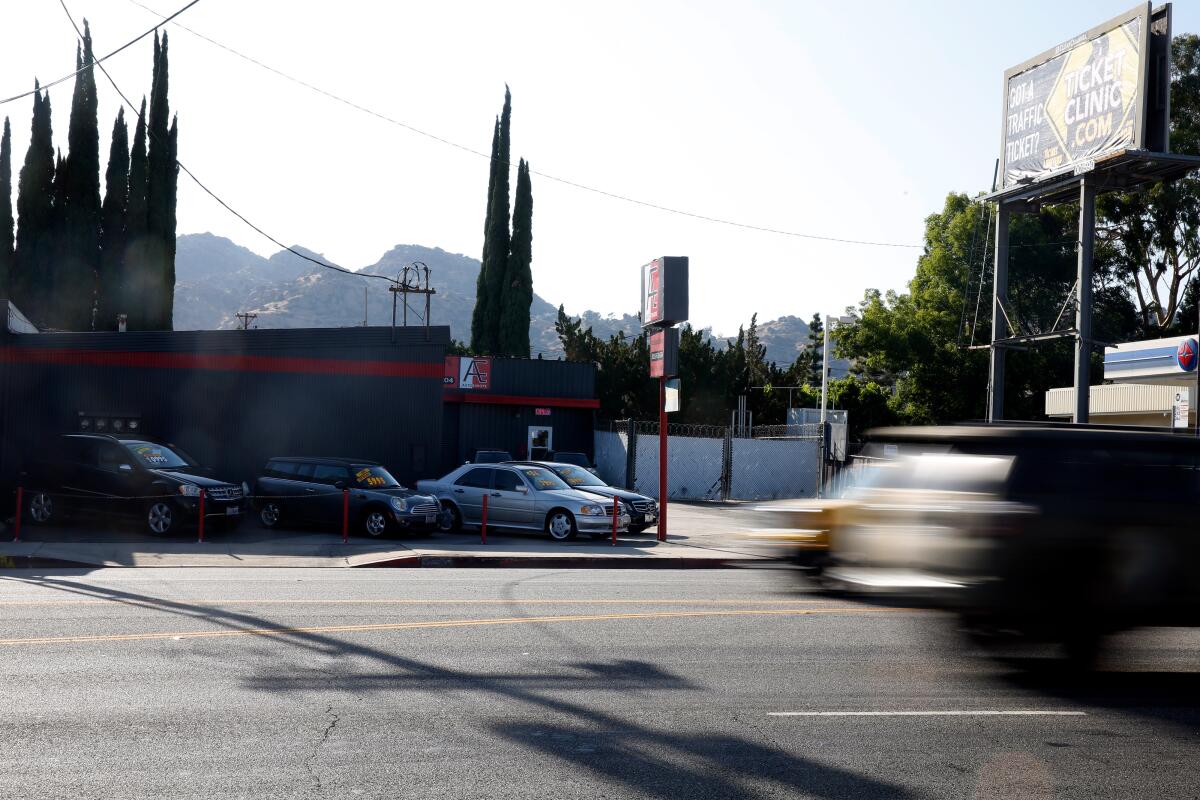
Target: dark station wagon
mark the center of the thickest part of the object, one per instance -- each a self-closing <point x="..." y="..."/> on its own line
<point x="313" y="491"/>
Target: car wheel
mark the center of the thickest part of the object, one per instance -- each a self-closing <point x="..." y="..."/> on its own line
<point x="41" y="508"/>
<point x="375" y="523"/>
<point x="161" y="518"/>
<point x="560" y="525"/>
<point x="449" y="521"/>
<point x="270" y="515"/>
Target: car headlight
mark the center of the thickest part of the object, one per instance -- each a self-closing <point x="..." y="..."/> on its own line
<point x="189" y="490"/>
<point x="591" y="511"/>
<point x="399" y="504"/>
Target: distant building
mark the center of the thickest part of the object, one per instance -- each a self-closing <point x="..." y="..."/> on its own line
<point x="1141" y="382"/>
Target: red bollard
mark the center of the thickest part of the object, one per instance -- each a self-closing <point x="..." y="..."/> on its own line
<point x="17" y="520"/>
<point x="483" y="527"/>
<point x="201" y="515"/>
<point x="345" y="516"/>
<point x="616" y="513"/>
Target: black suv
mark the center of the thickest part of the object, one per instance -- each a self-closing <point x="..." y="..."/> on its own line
<point x="127" y="475"/>
<point x="310" y="490"/>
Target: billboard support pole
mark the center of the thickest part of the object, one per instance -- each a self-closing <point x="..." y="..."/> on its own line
<point x="662" y="459"/>
<point x="1083" y="309"/>
<point x="995" y="409"/>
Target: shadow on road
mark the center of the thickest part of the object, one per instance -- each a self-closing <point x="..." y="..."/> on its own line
<point x="655" y="761"/>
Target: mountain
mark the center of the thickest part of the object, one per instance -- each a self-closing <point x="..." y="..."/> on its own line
<point x="216" y="279"/>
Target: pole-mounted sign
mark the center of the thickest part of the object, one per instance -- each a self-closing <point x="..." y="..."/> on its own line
<point x="664" y="353"/>
<point x="664" y="303"/>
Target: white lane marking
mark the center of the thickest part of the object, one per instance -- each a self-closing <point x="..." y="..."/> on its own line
<point x="952" y="713"/>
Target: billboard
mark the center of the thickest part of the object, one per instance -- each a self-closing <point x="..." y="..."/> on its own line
<point x="468" y="372"/>
<point x="1096" y="94"/>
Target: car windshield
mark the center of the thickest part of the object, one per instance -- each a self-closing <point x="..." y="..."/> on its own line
<point x="157" y="456"/>
<point x="374" y="478"/>
<point x="543" y="479"/>
<point x="574" y="476"/>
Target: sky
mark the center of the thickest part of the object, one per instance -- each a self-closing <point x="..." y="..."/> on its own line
<point x="827" y="119"/>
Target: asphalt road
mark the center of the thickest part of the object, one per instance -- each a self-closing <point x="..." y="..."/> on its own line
<point x="210" y="683"/>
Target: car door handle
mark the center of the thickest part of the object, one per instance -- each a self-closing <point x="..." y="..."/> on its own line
<point x="459" y="491"/>
<point x="495" y="494"/>
<point x="311" y="491"/>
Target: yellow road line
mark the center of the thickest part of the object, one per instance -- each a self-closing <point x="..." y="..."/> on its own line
<point x="462" y="623"/>
<point x="309" y="601"/>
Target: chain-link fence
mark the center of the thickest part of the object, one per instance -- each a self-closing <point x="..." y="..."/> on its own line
<point x="708" y="462"/>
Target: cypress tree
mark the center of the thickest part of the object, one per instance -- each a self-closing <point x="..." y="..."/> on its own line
<point x="517" y="295"/>
<point x="35" y="212"/>
<point x="134" y="261"/>
<point x="112" y="225"/>
<point x="78" y="265"/>
<point x="478" y="333"/>
<point x="6" y="210"/>
<point x="497" y="236"/>
<point x="161" y="181"/>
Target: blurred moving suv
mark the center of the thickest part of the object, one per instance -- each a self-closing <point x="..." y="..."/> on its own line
<point x="129" y="476"/>
<point x="523" y="497"/>
<point x="1049" y="533"/>
<point x="311" y="491"/>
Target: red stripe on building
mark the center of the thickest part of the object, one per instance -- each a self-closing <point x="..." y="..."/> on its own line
<point x="221" y="363"/>
<point x="519" y="400"/>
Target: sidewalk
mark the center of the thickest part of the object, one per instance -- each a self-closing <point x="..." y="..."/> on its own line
<point x="699" y="537"/>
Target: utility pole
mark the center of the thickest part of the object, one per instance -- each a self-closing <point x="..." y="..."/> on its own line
<point x="245" y="318"/>
<point x="410" y="282"/>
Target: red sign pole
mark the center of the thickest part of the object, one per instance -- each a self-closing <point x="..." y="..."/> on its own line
<point x="483" y="527"/>
<point x="662" y="459"/>
<point x="345" y="516"/>
<point x="201" y="539"/>
<point x="17" y="521"/>
<point x="616" y="513"/>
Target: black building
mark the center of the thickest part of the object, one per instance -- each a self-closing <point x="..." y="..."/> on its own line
<point x="235" y="398"/>
<point x="526" y="406"/>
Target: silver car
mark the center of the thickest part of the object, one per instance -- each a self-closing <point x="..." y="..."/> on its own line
<point x="520" y="497"/>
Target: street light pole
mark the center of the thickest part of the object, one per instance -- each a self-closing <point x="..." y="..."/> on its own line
<point x="825" y="370"/>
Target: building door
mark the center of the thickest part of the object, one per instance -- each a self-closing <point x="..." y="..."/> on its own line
<point x="541" y="442"/>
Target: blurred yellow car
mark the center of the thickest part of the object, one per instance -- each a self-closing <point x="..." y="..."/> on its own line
<point x="802" y="531"/>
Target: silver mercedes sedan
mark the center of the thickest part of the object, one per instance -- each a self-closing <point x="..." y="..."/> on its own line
<point x="523" y="498"/>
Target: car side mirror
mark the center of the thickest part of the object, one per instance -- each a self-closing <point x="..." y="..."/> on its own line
<point x="339" y="484"/>
<point x="523" y="489"/>
<point x="125" y="468"/>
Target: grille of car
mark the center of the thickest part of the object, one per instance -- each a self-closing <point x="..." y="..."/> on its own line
<point x="224" y="493"/>
<point x="425" y="508"/>
<point x="642" y="506"/>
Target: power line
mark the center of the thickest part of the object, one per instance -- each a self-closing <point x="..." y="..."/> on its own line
<point x="539" y="173"/>
<point x="206" y="190"/>
<point x="102" y="58"/>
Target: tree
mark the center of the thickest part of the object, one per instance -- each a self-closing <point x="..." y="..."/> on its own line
<point x="909" y="343"/>
<point x="135" y="260"/>
<point x="6" y="211"/>
<point x="479" y="313"/>
<point x="33" y="263"/>
<point x="517" y="293"/>
<point x="162" y="176"/>
<point x="814" y="362"/>
<point x="496" y="255"/>
<point x="1155" y="233"/>
<point x="75" y="277"/>
<point x="112" y="227"/>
